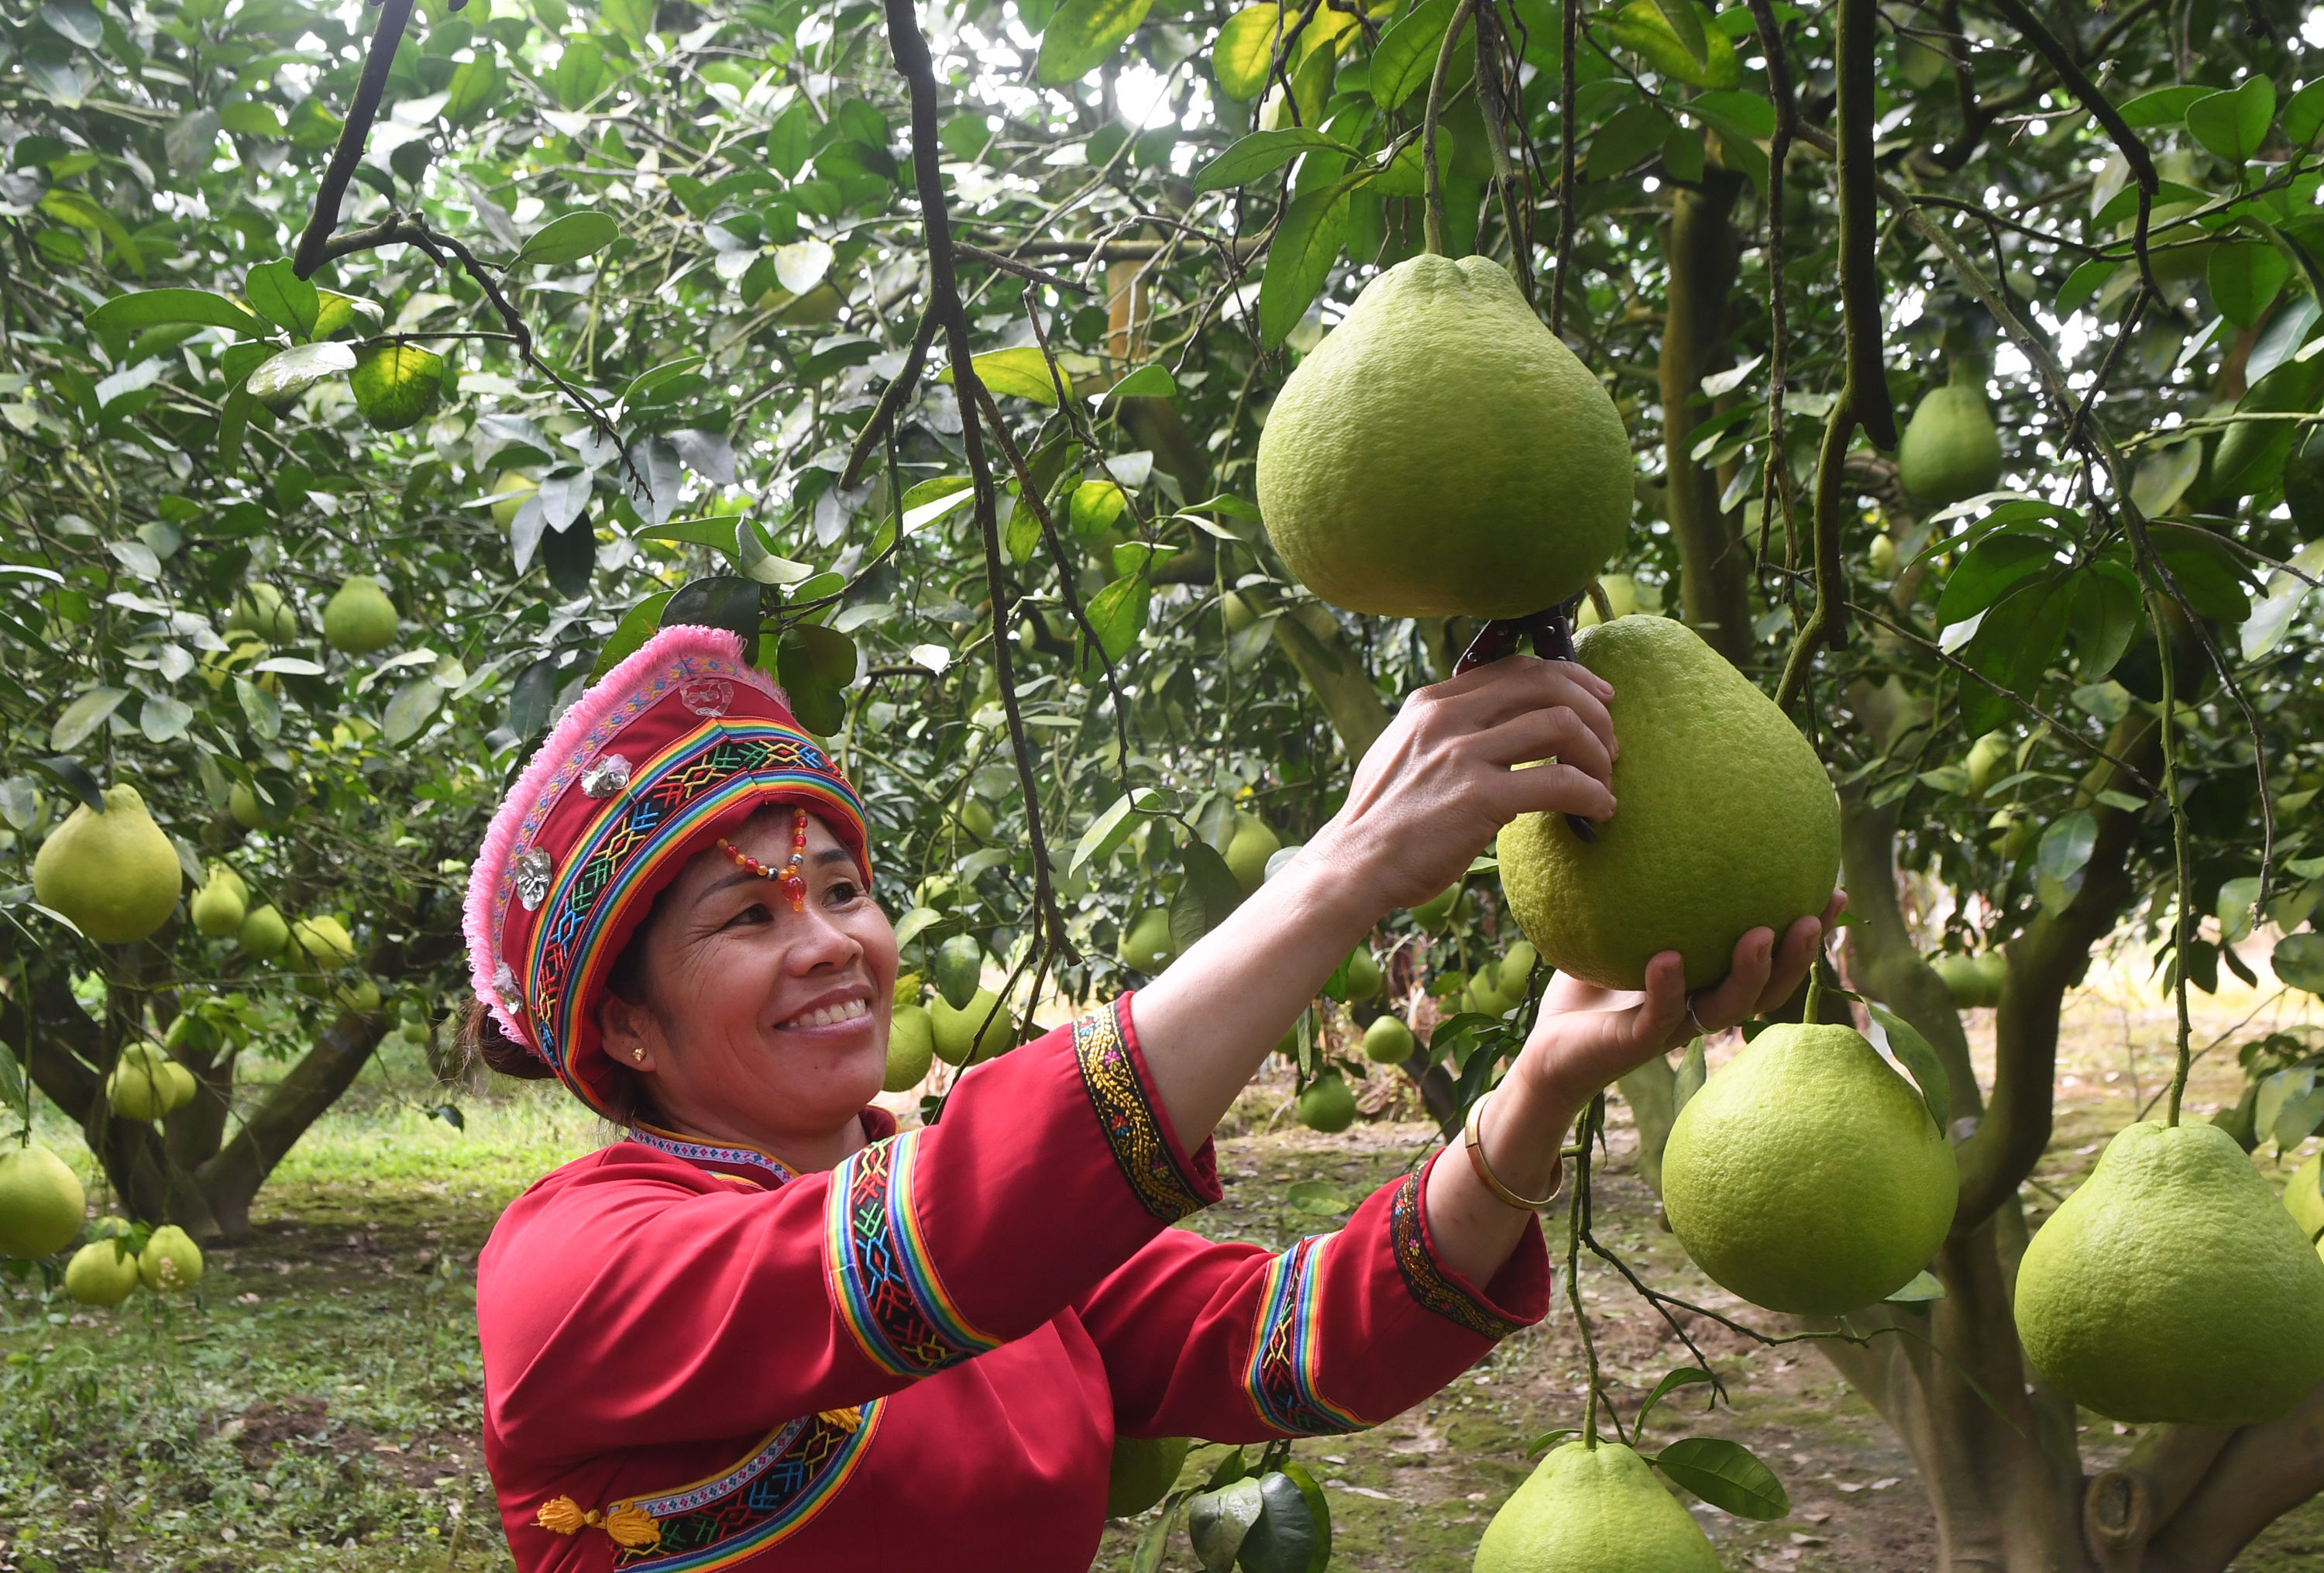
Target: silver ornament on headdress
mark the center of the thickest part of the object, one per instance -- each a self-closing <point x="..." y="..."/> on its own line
<point x="532" y="874"/>
<point x="607" y="776"/>
<point x="708" y="697"/>
<point x="504" y="986"/>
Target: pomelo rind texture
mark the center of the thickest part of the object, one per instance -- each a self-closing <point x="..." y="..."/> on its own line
<point x="2174" y="1286"/>
<point x="1807" y="1175"/>
<point x="1441" y="453"/>
<point x="1724" y="821"/>
<point x="1599" y="1510"/>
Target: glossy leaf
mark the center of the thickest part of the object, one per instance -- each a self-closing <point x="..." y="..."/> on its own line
<point x="1082" y="34"/>
<point x="1727" y="1475"/>
<point x="1407" y="54"/>
<point x="1306" y="244"/>
<point x="1919" y="1060"/>
<point x="568" y="239"/>
<point x="1261" y="153"/>
<point x="2234" y="124"/>
<point x="149" y="307"/>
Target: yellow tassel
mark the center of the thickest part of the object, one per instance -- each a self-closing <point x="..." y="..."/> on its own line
<point x="846" y="1420"/>
<point x="562" y="1515"/>
<point x="631" y="1525"/>
<point x="628" y="1523"/>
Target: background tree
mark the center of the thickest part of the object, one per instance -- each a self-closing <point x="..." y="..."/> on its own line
<point x="943" y="385"/>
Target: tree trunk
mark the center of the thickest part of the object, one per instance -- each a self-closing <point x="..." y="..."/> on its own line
<point x="1700" y="244"/>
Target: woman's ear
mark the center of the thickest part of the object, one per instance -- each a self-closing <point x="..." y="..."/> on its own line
<point x="626" y="1032"/>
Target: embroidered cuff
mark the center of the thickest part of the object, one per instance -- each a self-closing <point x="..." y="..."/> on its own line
<point x="1523" y="1281"/>
<point x="1169" y="1183"/>
<point x="1281" y="1375"/>
<point x="882" y="1281"/>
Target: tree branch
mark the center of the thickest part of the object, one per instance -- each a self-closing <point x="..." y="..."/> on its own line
<point x="313" y="251"/>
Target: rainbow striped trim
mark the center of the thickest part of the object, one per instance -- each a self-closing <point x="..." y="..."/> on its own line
<point x="1281" y="1374"/>
<point x="881" y="1277"/>
<point x="687" y="786"/>
<point x="732" y="1515"/>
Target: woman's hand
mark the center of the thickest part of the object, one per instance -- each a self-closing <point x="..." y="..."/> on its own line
<point x="1441" y="780"/>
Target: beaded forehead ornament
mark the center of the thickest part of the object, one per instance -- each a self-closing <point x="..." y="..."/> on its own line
<point x="668" y="754"/>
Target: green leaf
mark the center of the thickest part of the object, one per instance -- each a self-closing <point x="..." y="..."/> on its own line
<point x="2108" y="613"/>
<point x="72" y="207"/>
<point x="1693" y="1072"/>
<point x="1727" y="1475"/>
<point x="1260" y="152"/>
<point x="1914" y="1053"/>
<point x="1992" y="567"/>
<point x="2299" y="961"/>
<point x="1924" y="1288"/>
<point x="1097" y="507"/>
<point x="1244" y="51"/>
<point x="647" y="381"/>
<point x="1686" y="25"/>
<point x="1684" y="1376"/>
<point x="1151" y="381"/>
<point x="2083" y="284"/>
<point x="759" y="562"/>
<point x="409" y="710"/>
<point x="1306" y="244"/>
<point x="2164" y="106"/>
<point x="1117" y="614"/>
<point x="791" y="140"/>
<point x="568" y="239"/>
<point x="84" y="715"/>
<point x="2304" y="118"/>
<point x="580" y="73"/>
<point x="1644" y="30"/>
<point x="475" y="86"/>
<point x="1292" y="1532"/>
<point x="1082" y="34"/>
<point x="637" y="625"/>
<point x="1022" y="373"/>
<point x="1320" y="1197"/>
<point x="1407" y="55"/>
<point x="283" y="297"/>
<point x="147" y="307"/>
<point x="278" y="382"/>
<point x="1548" y="1439"/>
<point x="1630" y="136"/>
<point x="396" y="384"/>
<point x="1217" y="1521"/>
<point x="333" y="311"/>
<point x="811" y="655"/>
<point x="2246" y="277"/>
<point x="2234" y="124"/>
<point x="1209" y="894"/>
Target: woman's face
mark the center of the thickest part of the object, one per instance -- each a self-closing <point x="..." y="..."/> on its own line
<point x="761" y="1025"/>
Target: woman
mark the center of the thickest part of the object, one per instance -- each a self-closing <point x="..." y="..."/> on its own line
<point x="766" y="1328"/>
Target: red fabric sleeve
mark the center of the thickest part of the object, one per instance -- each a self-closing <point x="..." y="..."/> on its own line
<point x="1233" y="1343"/>
<point x="634" y="1296"/>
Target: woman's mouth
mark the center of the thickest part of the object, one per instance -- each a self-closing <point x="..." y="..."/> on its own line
<point x="830" y="1015"/>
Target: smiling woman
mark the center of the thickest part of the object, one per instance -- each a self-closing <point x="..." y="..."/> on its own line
<point x="767" y="1326"/>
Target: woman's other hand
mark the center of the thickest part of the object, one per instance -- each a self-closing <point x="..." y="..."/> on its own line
<point x="1443" y="779"/>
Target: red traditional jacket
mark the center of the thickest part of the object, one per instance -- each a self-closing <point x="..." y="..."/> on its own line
<point x="695" y="1358"/>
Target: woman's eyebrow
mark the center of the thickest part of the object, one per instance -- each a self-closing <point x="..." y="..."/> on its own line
<point x="830" y="854"/>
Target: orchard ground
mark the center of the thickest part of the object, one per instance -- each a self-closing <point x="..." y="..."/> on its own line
<point x="316" y="1405"/>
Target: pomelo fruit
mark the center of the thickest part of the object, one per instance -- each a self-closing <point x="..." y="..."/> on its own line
<point x="359" y="618"/>
<point x="959" y="970"/>
<point x="1327" y="1105"/>
<point x="1882" y="555"/>
<point x="1992" y="975"/>
<point x="219" y="907"/>
<point x="2174" y="1286"/>
<point x="1440" y="452"/>
<point x="102" y="1272"/>
<point x="40" y="1201"/>
<point x="911" y="1044"/>
<point x="170" y="1261"/>
<point x="115" y="875"/>
<point x="1143" y="1471"/>
<point x="1725" y="820"/>
<point x="958" y="1038"/>
<point x="1363" y="974"/>
<point x="1146" y="945"/>
<point x="511" y="489"/>
<point x="1593" y="1510"/>
<point x="360" y="996"/>
<point x="253" y="812"/>
<point x="1987" y="757"/>
<point x="1807" y="1175"/>
<point x="263" y="933"/>
<point x="1249" y="848"/>
<point x="259" y="609"/>
<point x="180" y="1086"/>
<point x="1961" y="978"/>
<point x="1388" y="1042"/>
<point x="975" y="819"/>
<point x="1949" y="450"/>
<point x="1435" y="913"/>
<point x="322" y="941"/>
<point x="138" y="1090"/>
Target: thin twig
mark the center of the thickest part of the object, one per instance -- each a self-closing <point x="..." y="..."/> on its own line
<point x="1009" y="265"/>
<point x="892" y="399"/>
<point x="333" y="191"/>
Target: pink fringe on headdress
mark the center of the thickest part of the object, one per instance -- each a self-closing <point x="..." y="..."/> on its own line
<point x="602" y="698"/>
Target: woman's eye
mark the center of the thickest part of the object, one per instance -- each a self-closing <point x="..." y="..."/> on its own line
<point x="842" y="894"/>
<point x="756" y="912"/>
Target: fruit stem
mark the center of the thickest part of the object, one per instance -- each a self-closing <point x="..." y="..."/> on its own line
<point x="2179" y="925"/>
<point x="1577" y="1223"/>
<point x="1431" y="181"/>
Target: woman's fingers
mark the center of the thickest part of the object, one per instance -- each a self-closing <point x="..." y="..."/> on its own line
<point x="1737" y="995"/>
<point x="1547" y="788"/>
<point x="1490" y="695"/>
<point x="1663" y="1007"/>
<point x="1802" y="941"/>
<point x="1558" y="734"/>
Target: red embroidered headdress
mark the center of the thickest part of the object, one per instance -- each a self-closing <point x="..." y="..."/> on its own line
<point x="674" y="747"/>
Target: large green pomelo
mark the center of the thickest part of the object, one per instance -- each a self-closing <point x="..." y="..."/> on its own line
<point x="2174" y="1286"/>
<point x="1327" y="1106"/>
<point x="1147" y="945"/>
<point x="1440" y="452"/>
<point x="40" y="1201"/>
<point x="170" y="1261"/>
<point x="966" y="1034"/>
<point x="259" y="609"/>
<point x="322" y="941"/>
<point x="1724" y="821"/>
<point x="359" y="618"/>
<point x="1249" y="848"/>
<point x="1388" y="1042"/>
<point x="115" y="875"/>
<point x="263" y="933"/>
<point x="1949" y="450"/>
<point x="101" y="1272"/>
<point x="219" y="907"/>
<point x="1143" y="1471"/>
<point x="1593" y="1510"/>
<point x="1807" y="1175"/>
<point x="911" y="1044"/>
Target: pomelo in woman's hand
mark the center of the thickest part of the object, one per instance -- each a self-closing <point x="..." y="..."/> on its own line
<point x="115" y="875"/>
<point x="1808" y="1176"/>
<point x="1327" y="1106"/>
<point x="359" y="618"/>
<point x="221" y="904"/>
<point x="170" y="1261"/>
<point x="1388" y="1042"/>
<point x="1725" y="820"/>
<point x="911" y="1044"/>
<point x="102" y="1272"/>
<point x="1950" y="451"/>
<point x="964" y="1035"/>
<point x="1593" y="1510"/>
<point x="263" y="933"/>
<point x="40" y="1201"/>
<point x="1442" y="453"/>
<point x="1143" y="1471"/>
<point x="2174" y="1286"/>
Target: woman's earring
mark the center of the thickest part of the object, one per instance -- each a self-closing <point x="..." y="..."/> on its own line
<point x="639" y="1054"/>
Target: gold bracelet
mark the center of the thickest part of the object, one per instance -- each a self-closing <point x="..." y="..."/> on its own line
<point x="1473" y="1137"/>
